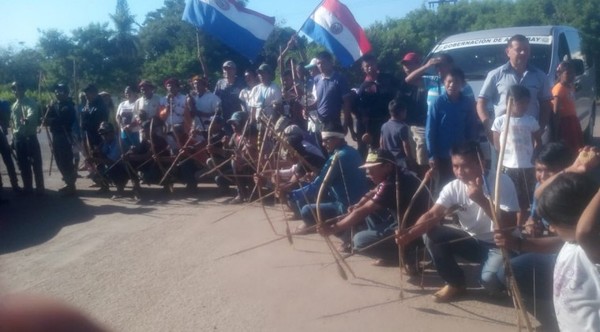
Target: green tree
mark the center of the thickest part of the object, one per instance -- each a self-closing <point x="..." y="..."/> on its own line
<point x="126" y="61"/>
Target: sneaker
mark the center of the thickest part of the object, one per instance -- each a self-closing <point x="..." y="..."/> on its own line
<point x="449" y="293"/>
<point x="384" y="262"/>
<point x="117" y="196"/>
<point x="304" y="229"/>
<point x="345" y="247"/>
<point x="237" y="200"/>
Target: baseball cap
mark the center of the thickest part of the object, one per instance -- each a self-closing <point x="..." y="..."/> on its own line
<point x="229" y="64"/>
<point x="378" y="157"/>
<point x="265" y="67"/>
<point x="411" y="57"/>
<point x="311" y="64"/>
<point x="238" y="117"/>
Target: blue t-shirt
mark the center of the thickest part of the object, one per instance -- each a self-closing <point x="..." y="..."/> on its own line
<point x="393" y="133"/>
<point x="329" y="93"/>
<point x="450" y="123"/>
<point x="347" y="182"/>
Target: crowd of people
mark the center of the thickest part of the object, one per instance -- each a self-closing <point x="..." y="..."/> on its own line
<point x="427" y="129"/>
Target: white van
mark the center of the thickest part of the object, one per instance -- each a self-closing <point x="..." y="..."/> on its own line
<point x="478" y="52"/>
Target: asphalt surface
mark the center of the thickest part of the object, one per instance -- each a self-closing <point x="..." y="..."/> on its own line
<point x="168" y="263"/>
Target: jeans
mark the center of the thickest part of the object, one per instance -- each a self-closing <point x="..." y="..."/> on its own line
<point x="379" y="226"/>
<point x="443" y="251"/>
<point x="328" y="211"/>
<point x="528" y="266"/>
<point x="534" y="274"/>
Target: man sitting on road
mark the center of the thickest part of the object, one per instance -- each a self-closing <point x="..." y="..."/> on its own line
<point x="473" y="240"/>
<point x="347" y="183"/>
<point x="378" y="208"/>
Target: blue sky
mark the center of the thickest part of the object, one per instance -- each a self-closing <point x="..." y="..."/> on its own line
<point x="22" y="19"/>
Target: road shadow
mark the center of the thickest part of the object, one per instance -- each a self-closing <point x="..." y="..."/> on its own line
<point x="27" y="221"/>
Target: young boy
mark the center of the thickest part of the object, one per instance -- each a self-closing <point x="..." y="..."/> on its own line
<point x="570" y="201"/>
<point x="395" y="136"/>
<point x="451" y="121"/>
<point x="523" y="136"/>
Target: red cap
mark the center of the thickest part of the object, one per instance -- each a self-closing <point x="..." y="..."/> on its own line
<point x="411" y="57"/>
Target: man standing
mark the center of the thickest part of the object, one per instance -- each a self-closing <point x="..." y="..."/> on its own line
<point x="473" y="239"/>
<point x="264" y="96"/>
<point x="92" y="115"/>
<point x="202" y="105"/>
<point x="416" y="116"/>
<point x="333" y="96"/>
<point x="25" y="119"/>
<point x="374" y="95"/>
<point x="516" y="71"/>
<point x="174" y="104"/>
<point x="228" y="90"/>
<point x="5" y="149"/>
<point x="148" y="105"/>
<point x="59" y="118"/>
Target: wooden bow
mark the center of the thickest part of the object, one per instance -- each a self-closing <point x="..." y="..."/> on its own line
<point x="495" y="208"/>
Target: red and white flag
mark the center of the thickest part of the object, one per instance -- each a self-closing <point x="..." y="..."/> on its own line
<point x="333" y="26"/>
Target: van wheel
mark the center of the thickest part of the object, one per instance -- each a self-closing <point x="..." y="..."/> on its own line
<point x="589" y="131"/>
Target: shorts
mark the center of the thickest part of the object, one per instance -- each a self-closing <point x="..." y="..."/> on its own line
<point x="524" y="181"/>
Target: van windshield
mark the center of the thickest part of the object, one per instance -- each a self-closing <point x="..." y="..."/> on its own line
<point x="477" y="61"/>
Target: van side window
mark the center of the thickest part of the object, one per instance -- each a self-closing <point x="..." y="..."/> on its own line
<point x="575" y="45"/>
<point x="563" y="48"/>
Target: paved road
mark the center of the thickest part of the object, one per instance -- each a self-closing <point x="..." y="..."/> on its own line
<point x="163" y="265"/>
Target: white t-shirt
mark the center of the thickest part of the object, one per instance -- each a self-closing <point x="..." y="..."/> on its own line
<point x="176" y="114"/>
<point x="125" y="112"/>
<point x="472" y="217"/>
<point x="262" y="98"/>
<point x="151" y="106"/>
<point x="519" y="147"/>
<point x="245" y="95"/>
<point x="206" y="105"/>
<point x="576" y="290"/>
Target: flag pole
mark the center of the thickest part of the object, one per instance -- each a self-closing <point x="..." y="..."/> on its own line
<point x="204" y="73"/>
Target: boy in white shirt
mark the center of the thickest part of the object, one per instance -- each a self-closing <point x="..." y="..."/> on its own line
<point x="523" y="136"/>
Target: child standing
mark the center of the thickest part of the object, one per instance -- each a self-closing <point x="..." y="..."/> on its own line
<point x="395" y="136"/>
<point x="451" y="121"/>
<point x="523" y="136"/>
<point x="565" y="120"/>
<point x="571" y="204"/>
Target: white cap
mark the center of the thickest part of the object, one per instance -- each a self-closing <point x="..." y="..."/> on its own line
<point x="311" y="64"/>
